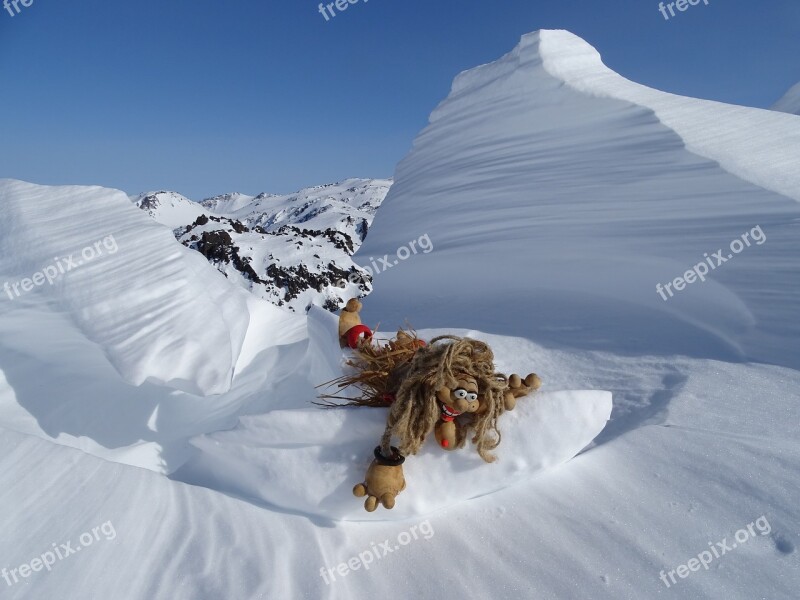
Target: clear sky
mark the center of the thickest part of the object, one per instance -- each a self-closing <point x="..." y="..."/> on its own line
<point x="204" y="97"/>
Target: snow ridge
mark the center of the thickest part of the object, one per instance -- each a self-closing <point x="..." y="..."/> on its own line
<point x="790" y="101"/>
<point x="763" y="148"/>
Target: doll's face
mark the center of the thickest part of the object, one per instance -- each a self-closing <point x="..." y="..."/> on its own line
<point x="460" y="399"/>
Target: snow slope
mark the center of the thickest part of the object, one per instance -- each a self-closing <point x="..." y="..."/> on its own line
<point x="138" y="336"/>
<point x="790" y="101"/>
<point x="593" y="190"/>
<point x="553" y="211"/>
<point x="147" y="303"/>
<point x="751" y="150"/>
<point x="169" y="208"/>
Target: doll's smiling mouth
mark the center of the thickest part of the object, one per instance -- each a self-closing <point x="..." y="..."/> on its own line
<point x="449" y="412"/>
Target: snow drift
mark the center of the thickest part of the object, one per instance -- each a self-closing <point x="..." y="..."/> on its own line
<point x="154" y="308"/>
<point x="123" y="353"/>
<point x="558" y="194"/>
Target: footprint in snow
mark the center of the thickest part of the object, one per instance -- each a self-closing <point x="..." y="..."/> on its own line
<point x="782" y="544"/>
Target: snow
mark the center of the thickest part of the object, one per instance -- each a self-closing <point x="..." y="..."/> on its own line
<point x="267" y="456"/>
<point x="559" y="215"/>
<point x="762" y="148"/>
<point x="227" y="203"/>
<point x="318" y="207"/>
<point x="147" y="390"/>
<point x="254" y="459"/>
<point x="151" y="306"/>
<point x="169" y="208"/>
<point x="790" y="101"/>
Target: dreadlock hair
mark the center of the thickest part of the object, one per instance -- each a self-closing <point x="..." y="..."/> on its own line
<point x="378" y="370"/>
<point x="415" y="411"/>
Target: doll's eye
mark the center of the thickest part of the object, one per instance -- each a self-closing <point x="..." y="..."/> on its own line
<point x="459" y="393"/>
<point x="473" y="396"/>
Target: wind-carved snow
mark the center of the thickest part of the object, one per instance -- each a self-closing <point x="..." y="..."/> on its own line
<point x="764" y="148"/>
<point x="556" y="209"/>
<point x="153" y="307"/>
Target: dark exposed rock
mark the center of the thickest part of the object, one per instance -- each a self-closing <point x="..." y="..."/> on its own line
<point x="216" y="246"/>
<point x="361" y="229"/>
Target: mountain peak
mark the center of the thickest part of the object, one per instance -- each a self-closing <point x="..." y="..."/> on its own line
<point x="790" y="101"/>
<point x="749" y="151"/>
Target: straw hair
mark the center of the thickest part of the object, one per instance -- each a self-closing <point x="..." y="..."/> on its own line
<point x="405" y="376"/>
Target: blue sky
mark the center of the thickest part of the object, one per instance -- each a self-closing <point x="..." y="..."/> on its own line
<point x="204" y="97"/>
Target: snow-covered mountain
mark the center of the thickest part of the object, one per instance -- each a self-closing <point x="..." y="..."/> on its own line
<point x="169" y="208"/>
<point x="557" y="196"/>
<point x="790" y="101"/>
<point x="293" y="250"/>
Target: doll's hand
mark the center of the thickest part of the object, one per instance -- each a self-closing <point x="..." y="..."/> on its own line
<point x="384" y="480"/>
<point x="518" y="388"/>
